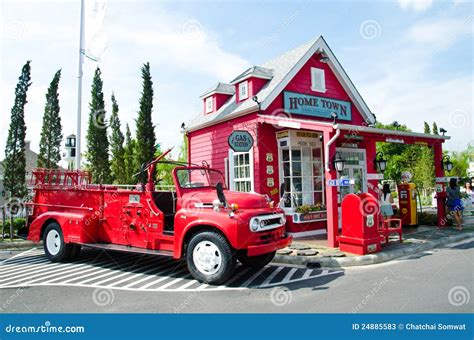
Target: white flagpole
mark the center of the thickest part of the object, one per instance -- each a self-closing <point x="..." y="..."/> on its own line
<point x="79" y="89"/>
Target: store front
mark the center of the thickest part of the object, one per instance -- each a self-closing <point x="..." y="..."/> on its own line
<point x="297" y="130"/>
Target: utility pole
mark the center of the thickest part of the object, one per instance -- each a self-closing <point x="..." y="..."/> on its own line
<point x="79" y="89"/>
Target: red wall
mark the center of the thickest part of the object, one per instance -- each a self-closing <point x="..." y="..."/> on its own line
<point x="301" y="83"/>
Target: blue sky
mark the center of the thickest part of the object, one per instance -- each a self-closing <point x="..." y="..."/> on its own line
<point x="412" y="60"/>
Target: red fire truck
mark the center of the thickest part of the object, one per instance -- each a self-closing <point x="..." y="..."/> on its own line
<point x="200" y="220"/>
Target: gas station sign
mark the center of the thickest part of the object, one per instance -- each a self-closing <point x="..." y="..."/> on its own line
<point x="240" y="141"/>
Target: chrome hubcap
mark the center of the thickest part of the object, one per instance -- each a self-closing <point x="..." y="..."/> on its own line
<point x="53" y="242"/>
<point x="207" y="257"/>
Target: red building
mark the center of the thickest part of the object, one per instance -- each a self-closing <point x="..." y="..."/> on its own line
<point x="303" y="115"/>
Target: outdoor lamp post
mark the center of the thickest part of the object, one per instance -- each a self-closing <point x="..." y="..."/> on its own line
<point x="338" y="163"/>
<point x="446" y="163"/>
<point x="380" y="162"/>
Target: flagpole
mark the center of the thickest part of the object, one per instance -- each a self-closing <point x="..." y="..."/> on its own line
<point x="79" y="89"/>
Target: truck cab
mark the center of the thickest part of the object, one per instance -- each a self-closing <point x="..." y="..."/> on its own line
<point x="200" y="220"/>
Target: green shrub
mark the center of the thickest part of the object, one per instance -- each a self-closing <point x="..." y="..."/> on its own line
<point x="18" y="223"/>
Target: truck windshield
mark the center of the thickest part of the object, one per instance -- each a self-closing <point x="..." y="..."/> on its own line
<point x="199" y="178"/>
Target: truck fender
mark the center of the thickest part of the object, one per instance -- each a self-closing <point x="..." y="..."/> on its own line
<point x="62" y="218"/>
<point x="190" y="228"/>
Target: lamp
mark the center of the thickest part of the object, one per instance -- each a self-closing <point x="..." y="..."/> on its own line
<point x="446" y="163"/>
<point x="334" y="117"/>
<point x="380" y="162"/>
<point x="443" y="131"/>
<point x="338" y="163"/>
<point x="324" y="59"/>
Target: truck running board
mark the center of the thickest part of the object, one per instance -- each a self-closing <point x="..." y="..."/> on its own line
<point x="127" y="249"/>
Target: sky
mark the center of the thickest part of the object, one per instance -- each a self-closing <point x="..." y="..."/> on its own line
<point x="411" y="60"/>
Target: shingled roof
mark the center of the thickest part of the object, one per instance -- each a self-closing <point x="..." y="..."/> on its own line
<point x="283" y="69"/>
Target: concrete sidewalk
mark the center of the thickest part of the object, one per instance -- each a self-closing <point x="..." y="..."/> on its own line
<point x="312" y="252"/>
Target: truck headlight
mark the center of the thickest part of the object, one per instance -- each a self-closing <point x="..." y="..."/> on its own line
<point x="255" y="224"/>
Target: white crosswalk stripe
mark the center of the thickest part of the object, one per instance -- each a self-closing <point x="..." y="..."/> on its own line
<point x="96" y="268"/>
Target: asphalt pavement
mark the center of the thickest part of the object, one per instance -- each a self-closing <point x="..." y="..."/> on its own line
<point x="435" y="281"/>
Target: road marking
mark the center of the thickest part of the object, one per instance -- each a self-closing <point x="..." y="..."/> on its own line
<point x="137" y="272"/>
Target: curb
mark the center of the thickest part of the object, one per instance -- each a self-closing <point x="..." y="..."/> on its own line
<point x="328" y="262"/>
<point x="18" y="245"/>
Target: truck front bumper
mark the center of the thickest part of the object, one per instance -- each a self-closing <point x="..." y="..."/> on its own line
<point x="269" y="247"/>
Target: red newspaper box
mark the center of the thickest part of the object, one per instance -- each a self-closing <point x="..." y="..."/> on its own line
<point x="360" y="233"/>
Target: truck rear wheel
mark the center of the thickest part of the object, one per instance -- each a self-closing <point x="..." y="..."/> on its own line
<point x="53" y="243"/>
<point x="209" y="258"/>
<point x="257" y="262"/>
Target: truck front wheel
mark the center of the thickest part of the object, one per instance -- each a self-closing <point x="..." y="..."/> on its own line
<point x="209" y="258"/>
<point x="53" y="242"/>
<point x="257" y="262"/>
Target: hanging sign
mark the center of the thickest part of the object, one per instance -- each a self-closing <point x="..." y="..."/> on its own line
<point x="371" y="177"/>
<point x="316" y="106"/>
<point x="240" y="141"/>
<point x="395" y="140"/>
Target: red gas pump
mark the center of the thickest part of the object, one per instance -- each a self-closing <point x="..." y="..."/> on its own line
<point x="360" y="233"/>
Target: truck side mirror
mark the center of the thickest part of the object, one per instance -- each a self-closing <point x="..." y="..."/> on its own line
<point x="220" y="194"/>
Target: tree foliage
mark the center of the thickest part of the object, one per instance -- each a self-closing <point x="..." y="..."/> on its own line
<point x="15" y="162"/>
<point x="97" y="154"/>
<point x="130" y="158"/>
<point x="51" y="131"/>
<point x="145" y="135"/>
<point x="117" y="163"/>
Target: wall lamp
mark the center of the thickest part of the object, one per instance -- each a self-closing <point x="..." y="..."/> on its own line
<point x="446" y="163"/>
<point x="380" y="162"/>
<point x="334" y="117"/>
<point x="338" y="163"/>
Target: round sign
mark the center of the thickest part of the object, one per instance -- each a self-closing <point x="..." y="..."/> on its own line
<point x="240" y="141"/>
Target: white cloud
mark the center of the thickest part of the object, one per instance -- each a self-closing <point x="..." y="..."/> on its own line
<point x="441" y="33"/>
<point x="416" y="5"/>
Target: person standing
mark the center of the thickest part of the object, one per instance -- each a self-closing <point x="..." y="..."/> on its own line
<point x="386" y="201"/>
<point x="454" y="202"/>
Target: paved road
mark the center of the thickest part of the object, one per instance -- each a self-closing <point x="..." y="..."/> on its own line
<point x="437" y="281"/>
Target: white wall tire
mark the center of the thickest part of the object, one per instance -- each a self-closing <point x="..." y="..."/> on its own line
<point x="54" y="246"/>
<point x="209" y="258"/>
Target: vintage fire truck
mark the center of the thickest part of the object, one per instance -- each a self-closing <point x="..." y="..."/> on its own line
<point x="200" y="220"/>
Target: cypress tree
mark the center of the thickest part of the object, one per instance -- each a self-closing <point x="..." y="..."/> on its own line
<point x="51" y="131"/>
<point x="427" y="129"/>
<point x="117" y="163"/>
<point x="129" y="157"/>
<point x="435" y="129"/>
<point x="146" y="138"/>
<point x="97" y="154"/>
<point x="15" y="163"/>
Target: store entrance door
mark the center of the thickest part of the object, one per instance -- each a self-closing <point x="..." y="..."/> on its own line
<point x="355" y="170"/>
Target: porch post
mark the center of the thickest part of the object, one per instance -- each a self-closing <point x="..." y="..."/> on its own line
<point x="331" y="196"/>
<point x="372" y="185"/>
<point x="441" y="193"/>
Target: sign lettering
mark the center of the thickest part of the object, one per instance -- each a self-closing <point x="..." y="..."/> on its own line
<point x="240" y="141"/>
<point x="316" y="106"/>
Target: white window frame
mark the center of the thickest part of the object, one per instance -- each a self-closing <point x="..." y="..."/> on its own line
<point x="318" y="77"/>
<point x="232" y="179"/>
<point x="209" y="102"/>
<point x="243" y="90"/>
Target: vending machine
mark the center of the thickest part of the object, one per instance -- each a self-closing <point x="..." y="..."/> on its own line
<point x="407" y="204"/>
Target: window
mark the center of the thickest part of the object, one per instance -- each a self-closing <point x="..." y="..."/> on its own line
<point x="209" y="105"/>
<point x="318" y="82"/>
<point x="241" y="171"/>
<point x="243" y="90"/>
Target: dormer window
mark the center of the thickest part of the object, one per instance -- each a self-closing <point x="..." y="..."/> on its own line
<point x="243" y="90"/>
<point x="318" y="82"/>
<point x="209" y="106"/>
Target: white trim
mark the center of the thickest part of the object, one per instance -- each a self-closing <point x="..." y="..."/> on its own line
<point x="360" y="128"/>
<point x="231" y="168"/>
<point x="318" y="72"/>
<point x="209" y="104"/>
<point x="250" y="75"/>
<point x="216" y="92"/>
<point x="243" y="85"/>
<point x="321" y="46"/>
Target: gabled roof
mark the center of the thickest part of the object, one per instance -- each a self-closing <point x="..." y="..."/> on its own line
<point x="254" y="71"/>
<point x="284" y="68"/>
<point x="219" y="88"/>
